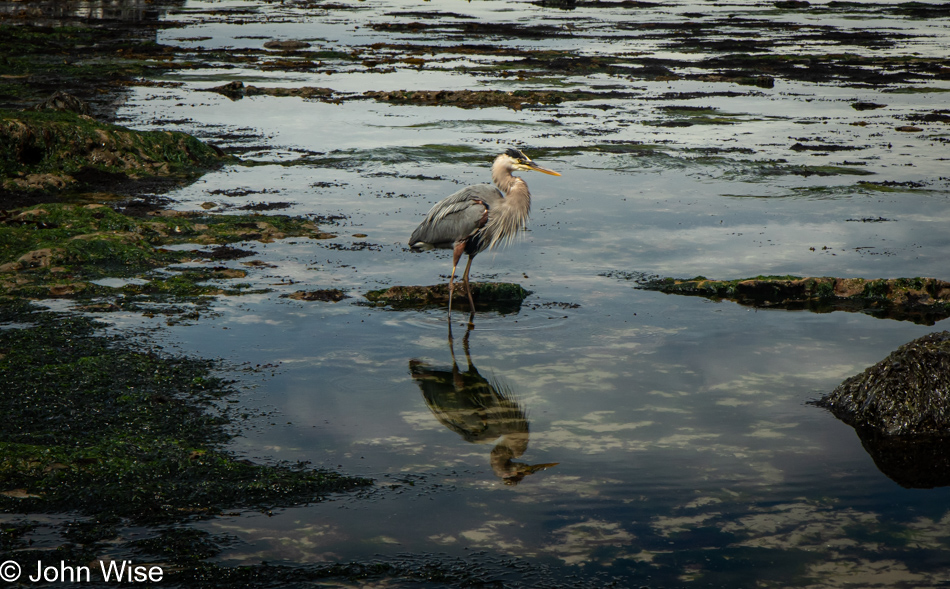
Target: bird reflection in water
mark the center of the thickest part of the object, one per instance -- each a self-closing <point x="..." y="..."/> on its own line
<point x="479" y="409"/>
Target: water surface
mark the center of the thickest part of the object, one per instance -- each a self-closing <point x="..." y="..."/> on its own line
<point x="679" y="445"/>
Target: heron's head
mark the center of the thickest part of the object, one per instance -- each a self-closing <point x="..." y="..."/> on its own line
<point x="517" y="160"/>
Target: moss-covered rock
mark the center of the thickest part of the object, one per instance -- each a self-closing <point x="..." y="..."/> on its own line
<point x="490" y="294"/>
<point x="55" y="150"/>
<point x="97" y="59"/>
<point x="93" y="62"/>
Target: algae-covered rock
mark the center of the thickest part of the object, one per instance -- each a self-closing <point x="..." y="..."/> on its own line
<point x="907" y="393"/>
<point x="486" y="293"/>
<point x="921" y="300"/>
<point x="52" y="150"/>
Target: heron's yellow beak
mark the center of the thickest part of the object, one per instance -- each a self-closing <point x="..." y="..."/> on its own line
<point x="531" y="469"/>
<point x="535" y="167"/>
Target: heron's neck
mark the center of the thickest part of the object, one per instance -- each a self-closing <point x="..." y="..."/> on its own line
<point x="515" y="189"/>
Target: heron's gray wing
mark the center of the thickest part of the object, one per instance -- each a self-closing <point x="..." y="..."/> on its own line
<point x="456" y="216"/>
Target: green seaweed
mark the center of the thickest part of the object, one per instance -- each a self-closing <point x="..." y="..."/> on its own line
<point x="61" y="248"/>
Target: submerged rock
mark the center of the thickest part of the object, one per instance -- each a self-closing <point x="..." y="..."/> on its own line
<point x="330" y="295"/>
<point x="907" y="393"/>
<point x="921" y="300"/>
<point x="291" y="45"/>
<point x="487" y="293"/>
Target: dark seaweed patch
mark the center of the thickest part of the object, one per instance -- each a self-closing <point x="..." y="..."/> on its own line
<point x="97" y="425"/>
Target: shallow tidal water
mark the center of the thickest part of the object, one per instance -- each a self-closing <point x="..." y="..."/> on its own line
<point x="678" y="446"/>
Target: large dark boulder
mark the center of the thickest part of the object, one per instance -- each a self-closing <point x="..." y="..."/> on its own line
<point x="907" y="393"/>
<point x="900" y="409"/>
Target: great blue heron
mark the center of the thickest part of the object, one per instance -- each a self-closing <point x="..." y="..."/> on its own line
<point x="479" y="217"/>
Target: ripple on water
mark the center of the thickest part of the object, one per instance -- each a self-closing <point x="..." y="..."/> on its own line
<point x="528" y="318"/>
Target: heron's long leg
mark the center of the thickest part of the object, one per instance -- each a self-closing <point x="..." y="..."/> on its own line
<point x="456" y="255"/>
<point x="468" y="290"/>
<point x="451" y="287"/>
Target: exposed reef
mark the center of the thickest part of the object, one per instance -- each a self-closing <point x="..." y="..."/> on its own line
<point x="515" y="99"/>
<point x="921" y="300"/>
<point x="485" y="98"/>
